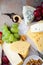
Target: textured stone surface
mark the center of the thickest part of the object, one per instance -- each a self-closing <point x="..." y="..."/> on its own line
<point x="16" y="5"/>
<point x="12" y="6"/>
<point x="33" y="2"/>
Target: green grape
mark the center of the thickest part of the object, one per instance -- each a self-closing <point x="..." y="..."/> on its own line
<point x="11" y="38"/>
<point x="7" y="35"/>
<point x="15" y="39"/>
<point x="15" y="25"/>
<point x="3" y="38"/>
<point x="17" y="35"/>
<point x="4" y="32"/>
<point x="4" y="29"/>
<point x="8" y="32"/>
<point x="14" y="30"/>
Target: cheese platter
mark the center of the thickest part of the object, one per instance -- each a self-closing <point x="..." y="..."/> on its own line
<point x="22" y="38"/>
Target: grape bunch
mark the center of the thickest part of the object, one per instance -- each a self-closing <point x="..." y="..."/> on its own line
<point x="15" y="31"/>
<point x="38" y="13"/>
<point x="5" y="61"/>
<point x="10" y="34"/>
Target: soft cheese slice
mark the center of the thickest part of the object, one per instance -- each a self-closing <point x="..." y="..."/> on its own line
<point x="21" y="47"/>
<point x="28" y="13"/>
<point x="13" y="56"/>
<point x="38" y="27"/>
<point x="0" y="53"/>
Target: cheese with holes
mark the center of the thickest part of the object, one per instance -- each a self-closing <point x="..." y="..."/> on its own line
<point x="14" y="51"/>
<point x="21" y="47"/>
<point x="37" y="36"/>
<point x="13" y="56"/>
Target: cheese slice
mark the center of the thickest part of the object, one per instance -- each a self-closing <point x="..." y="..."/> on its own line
<point x="38" y="27"/>
<point x="36" y="34"/>
<point x="13" y="56"/>
<point x="21" y="47"/>
<point x="41" y="21"/>
<point x="37" y="37"/>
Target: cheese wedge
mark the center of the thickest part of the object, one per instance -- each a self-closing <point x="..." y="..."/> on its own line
<point x="13" y="56"/>
<point x="15" y="49"/>
<point x="41" y="21"/>
<point x="38" y="27"/>
<point x="37" y="37"/>
<point x="28" y="13"/>
<point x="21" y="47"/>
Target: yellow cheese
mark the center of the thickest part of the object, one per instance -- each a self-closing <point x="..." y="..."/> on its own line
<point x="15" y="49"/>
<point x="37" y="37"/>
<point x="21" y="47"/>
<point x="41" y="21"/>
<point x="13" y="56"/>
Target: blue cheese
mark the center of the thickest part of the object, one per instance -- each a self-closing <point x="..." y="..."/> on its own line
<point x="28" y="13"/>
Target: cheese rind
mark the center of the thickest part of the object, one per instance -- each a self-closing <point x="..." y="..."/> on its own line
<point x="13" y="57"/>
<point x="38" y="27"/>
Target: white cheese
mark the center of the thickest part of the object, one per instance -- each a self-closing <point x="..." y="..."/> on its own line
<point x="28" y="13"/>
<point x="38" y="27"/>
<point x="13" y="57"/>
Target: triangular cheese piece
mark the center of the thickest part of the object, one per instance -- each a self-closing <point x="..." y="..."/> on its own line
<point x="21" y="47"/>
<point x="28" y="13"/>
<point x="13" y="50"/>
<point x="37" y="37"/>
<point x="13" y="56"/>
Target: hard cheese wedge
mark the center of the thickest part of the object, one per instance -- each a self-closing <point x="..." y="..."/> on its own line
<point x="21" y="47"/>
<point x="37" y="37"/>
<point x="13" y="56"/>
